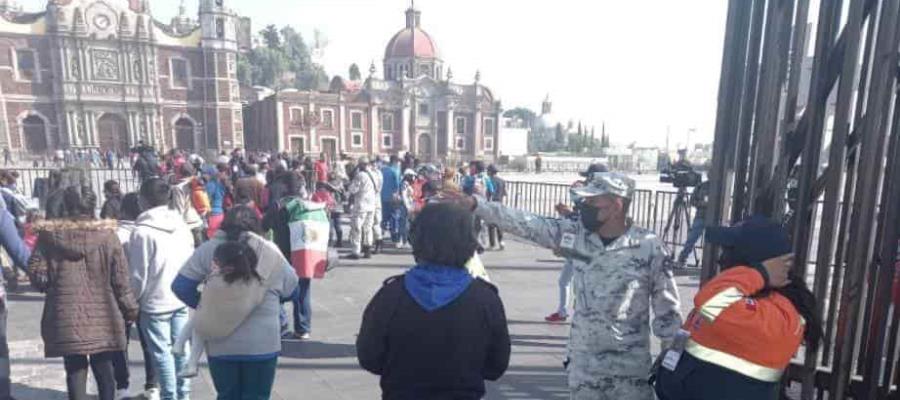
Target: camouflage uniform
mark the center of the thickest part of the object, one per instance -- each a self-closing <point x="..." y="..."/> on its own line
<point x="615" y="288"/>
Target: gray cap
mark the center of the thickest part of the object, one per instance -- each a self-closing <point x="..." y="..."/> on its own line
<point x="363" y="160"/>
<point x="601" y="183"/>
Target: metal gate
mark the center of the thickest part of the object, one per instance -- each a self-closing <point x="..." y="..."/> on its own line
<point x="833" y="121"/>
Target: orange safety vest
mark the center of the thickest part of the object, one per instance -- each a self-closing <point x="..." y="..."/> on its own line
<point x="753" y="336"/>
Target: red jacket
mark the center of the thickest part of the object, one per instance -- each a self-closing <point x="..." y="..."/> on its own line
<point x="321" y="168"/>
<point x="754" y="336"/>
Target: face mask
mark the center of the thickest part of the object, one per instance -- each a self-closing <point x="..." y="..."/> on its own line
<point x="589" y="215"/>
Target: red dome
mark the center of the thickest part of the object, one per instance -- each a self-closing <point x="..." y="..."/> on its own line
<point x="411" y="42"/>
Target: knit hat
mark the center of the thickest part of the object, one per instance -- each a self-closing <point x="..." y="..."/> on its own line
<point x="752" y="240"/>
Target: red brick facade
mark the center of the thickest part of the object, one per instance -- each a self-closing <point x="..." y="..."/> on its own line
<point x="104" y="74"/>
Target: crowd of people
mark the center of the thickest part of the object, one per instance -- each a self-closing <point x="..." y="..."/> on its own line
<point x="220" y="237"/>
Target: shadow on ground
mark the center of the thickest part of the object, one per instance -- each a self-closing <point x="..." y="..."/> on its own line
<point x="519" y="386"/>
<point x="20" y="391"/>
<point x="316" y="350"/>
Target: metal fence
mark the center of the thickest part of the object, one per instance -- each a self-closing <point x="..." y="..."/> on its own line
<point x="128" y="181"/>
<point x="648" y="209"/>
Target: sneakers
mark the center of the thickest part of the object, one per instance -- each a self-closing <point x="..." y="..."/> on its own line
<point x="151" y="394"/>
<point x="502" y="246"/>
<point x="123" y="394"/>
<point x="556" y="317"/>
<point x="302" y="336"/>
<point x="399" y="245"/>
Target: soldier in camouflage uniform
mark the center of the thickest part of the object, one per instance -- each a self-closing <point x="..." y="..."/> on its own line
<point x="620" y="274"/>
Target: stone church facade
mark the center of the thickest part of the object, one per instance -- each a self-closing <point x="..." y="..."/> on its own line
<point x="105" y="74"/>
<point x="415" y="106"/>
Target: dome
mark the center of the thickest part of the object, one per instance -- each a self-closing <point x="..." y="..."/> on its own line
<point x="411" y="42"/>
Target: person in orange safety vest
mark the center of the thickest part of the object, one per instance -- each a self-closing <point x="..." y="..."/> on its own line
<point x="747" y="322"/>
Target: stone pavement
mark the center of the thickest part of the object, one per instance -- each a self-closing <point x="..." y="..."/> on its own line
<point x="326" y="367"/>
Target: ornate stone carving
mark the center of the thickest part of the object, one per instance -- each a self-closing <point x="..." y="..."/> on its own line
<point x="76" y="68"/>
<point x="106" y="65"/>
<point x="102" y="22"/>
<point x="138" y="73"/>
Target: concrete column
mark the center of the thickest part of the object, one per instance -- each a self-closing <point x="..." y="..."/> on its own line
<point x="279" y="125"/>
<point x="404" y="128"/>
<point x="313" y="138"/>
<point x="342" y="128"/>
<point x="132" y="128"/>
<point x="478" y="136"/>
<point x="70" y="137"/>
<point x="91" y="128"/>
<point x="451" y="131"/>
<point x="375" y="132"/>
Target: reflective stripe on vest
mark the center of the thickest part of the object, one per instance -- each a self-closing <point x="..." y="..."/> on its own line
<point x="733" y="363"/>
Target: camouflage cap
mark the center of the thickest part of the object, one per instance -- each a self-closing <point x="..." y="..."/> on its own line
<point x="601" y="183"/>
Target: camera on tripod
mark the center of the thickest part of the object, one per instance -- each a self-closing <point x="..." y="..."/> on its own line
<point x="681" y="176"/>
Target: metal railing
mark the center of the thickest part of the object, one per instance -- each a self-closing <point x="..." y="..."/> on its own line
<point x="649" y="209"/>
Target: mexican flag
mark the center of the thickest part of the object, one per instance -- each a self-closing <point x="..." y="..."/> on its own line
<point x="309" y="227"/>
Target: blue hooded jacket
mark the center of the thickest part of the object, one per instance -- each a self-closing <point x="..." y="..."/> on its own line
<point x="435" y="286"/>
<point x="392" y="179"/>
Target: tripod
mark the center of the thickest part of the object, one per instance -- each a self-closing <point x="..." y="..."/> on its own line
<point x="679" y="214"/>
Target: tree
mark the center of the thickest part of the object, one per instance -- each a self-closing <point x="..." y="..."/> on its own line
<point x="355" y="75"/>
<point x="282" y="62"/>
<point x="523" y="113"/>
<point x="270" y="37"/>
<point x="593" y="141"/>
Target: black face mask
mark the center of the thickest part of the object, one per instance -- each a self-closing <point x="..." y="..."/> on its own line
<point x="589" y="217"/>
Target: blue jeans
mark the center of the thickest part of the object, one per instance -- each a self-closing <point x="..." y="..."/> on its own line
<point x="694" y="234"/>
<point x="302" y="308"/>
<point x="161" y="330"/>
<point x="390" y="219"/>
<point x="243" y="380"/>
<point x="402" y="217"/>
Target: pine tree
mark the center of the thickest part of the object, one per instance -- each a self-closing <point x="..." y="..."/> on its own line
<point x="355" y="75"/>
<point x="591" y="143"/>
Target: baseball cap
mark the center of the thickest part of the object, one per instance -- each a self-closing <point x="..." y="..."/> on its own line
<point x="594" y="168"/>
<point x="601" y="183"/>
<point x="753" y="240"/>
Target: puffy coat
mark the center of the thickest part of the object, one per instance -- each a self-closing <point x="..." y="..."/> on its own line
<point x="82" y="269"/>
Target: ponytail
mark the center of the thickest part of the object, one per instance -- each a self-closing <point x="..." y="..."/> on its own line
<point x="237" y="261"/>
<point x="805" y="303"/>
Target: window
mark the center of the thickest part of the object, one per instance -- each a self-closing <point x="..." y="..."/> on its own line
<point x="26" y="64"/>
<point x="460" y="125"/>
<point x="327" y="119"/>
<point x="489" y="143"/>
<point x="460" y="143"/>
<point x="387" y="141"/>
<point x="356" y="120"/>
<point x="389" y="72"/>
<point x="180" y="72"/>
<point x="357" y="139"/>
<point x="296" y="116"/>
<point x="488" y="127"/>
<point x="220" y="28"/>
<point x="387" y="122"/>
<point x="423" y="109"/>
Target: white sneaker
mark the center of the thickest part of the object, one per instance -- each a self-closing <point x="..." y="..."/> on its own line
<point x="152" y="394"/>
<point x="122" y="394"/>
<point x="502" y="246"/>
<point x="399" y="245"/>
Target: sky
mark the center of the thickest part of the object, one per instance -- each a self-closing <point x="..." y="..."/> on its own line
<point x="642" y="67"/>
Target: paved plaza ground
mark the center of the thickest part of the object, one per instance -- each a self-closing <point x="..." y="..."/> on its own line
<point x="326" y="367"/>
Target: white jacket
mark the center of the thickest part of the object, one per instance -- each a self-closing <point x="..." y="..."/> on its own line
<point x="365" y="189"/>
<point x="160" y="244"/>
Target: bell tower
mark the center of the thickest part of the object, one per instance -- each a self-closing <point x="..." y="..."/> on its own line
<point x="223" y="119"/>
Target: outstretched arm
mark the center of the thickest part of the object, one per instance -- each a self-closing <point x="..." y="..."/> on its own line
<point x="545" y="232"/>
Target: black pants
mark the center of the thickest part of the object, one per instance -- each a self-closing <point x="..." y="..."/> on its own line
<point x="4" y="346"/>
<point x="495" y="235"/>
<point x="120" y="365"/>
<point x="102" y="368"/>
<point x="336" y="227"/>
<point x="694" y="379"/>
